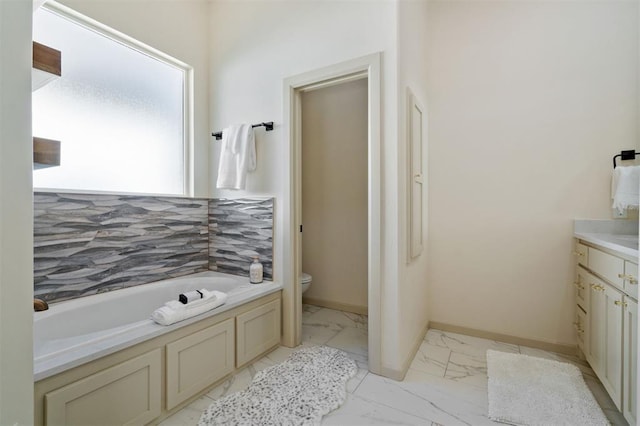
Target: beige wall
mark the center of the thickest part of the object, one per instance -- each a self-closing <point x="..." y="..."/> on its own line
<point x="334" y="193"/>
<point x="287" y="38"/>
<point x="16" y="217"/>
<point x="528" y="102"/>
<point x="413" y="293"/>
<point x="179" y="29"/>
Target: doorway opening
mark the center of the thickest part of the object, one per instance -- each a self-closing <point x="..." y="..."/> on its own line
<point x="361" y="73"/>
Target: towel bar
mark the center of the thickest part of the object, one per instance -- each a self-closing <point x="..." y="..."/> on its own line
<point x="629" y="154"/>
<point x="267" y="125"/>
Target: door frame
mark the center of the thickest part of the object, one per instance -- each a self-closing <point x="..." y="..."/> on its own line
<point x="368" y="67"/>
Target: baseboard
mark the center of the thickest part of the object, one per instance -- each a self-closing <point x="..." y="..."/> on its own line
<point x="506" y="338"/>
<point x="402" y="372"/>
<point x="356" y="309"/>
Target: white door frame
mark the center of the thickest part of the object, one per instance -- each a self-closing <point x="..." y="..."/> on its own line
<point x="365" y="67"/>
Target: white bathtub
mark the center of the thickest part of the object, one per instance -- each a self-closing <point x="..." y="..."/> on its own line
<point x="76" y="331"/>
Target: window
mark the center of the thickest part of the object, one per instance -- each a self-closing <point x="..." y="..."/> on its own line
<point x="119" y="110"/>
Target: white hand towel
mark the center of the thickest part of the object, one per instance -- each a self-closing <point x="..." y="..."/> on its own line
<point x="237" y="156"/>
<point x="625" y="187"/>
<point x="171" y="313"/>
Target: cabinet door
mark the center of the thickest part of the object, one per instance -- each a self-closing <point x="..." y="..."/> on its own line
<point x="198" y="361"/>
<point x="612" y="372"/>
<point x="257" y="330"/>
<point x="128" y="393"/>
<point x="630" y="365"/>
<point x="631" y="279"/>
<point x="596" y="310"/>
<point x="580" y="324"/>
<point x="581" y="285"/>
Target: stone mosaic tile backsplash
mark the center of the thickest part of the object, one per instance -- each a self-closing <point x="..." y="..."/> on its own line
<point x="91" y="243"/>
<point x="240" y="229"/>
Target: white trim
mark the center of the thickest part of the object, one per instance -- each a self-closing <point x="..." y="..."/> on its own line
<point x="365" y="67"/>
<point x="188" y="86"/>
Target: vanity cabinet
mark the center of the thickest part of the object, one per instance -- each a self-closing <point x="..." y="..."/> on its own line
<point x="607" y="335"/>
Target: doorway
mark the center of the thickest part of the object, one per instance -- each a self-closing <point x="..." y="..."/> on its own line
<point x="368" y="69"/>
<point x="333" y="248"/>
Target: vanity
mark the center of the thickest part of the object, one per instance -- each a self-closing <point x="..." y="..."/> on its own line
<point x="606" y="290"/>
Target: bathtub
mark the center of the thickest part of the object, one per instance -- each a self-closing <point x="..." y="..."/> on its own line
<point x="77" y="331"/>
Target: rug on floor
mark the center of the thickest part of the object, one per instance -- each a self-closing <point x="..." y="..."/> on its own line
<point x="526" y="390"/>
<point x="310" y="383"/>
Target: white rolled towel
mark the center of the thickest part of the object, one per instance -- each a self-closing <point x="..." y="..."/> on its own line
<point x="175" y="311"/>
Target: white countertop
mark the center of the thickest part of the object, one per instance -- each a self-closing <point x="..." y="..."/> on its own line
<point x="620" y="236"/>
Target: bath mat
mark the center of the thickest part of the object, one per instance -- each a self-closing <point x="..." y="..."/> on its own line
<point x="525" y="390"/>
<point x="299" y="391"/>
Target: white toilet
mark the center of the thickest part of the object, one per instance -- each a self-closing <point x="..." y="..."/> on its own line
<point x="305" y="281"/>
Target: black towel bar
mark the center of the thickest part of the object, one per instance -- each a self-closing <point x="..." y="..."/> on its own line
<point x="629" y="154"/>
<point x="267" y="125"/>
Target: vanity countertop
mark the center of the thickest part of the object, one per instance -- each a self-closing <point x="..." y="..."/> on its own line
<point x="620" y="236"/>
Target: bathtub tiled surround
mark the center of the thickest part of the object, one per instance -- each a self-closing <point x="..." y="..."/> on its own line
<point x="91" y="243"/>
<point x="240" y="229"/>
<point x="446" y="383"/>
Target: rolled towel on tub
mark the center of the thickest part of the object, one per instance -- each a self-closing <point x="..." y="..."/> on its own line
<point x="174" y="311"/>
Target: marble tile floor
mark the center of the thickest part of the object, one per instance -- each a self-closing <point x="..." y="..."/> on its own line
<point x="446" y="383"/>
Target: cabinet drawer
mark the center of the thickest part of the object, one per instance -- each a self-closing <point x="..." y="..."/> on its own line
<point x="581" y="253"/>
<point x="128" y="393"/>
<point x="199" y="360"/>
<point x="631" y="279"/>
<point x="581" y="285"/>
<point x="257" y="331"/>
<point x="607" y="266"/>
<point x="580" y="325"/>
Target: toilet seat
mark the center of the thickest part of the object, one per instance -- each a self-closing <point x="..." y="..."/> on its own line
<point x="305" y="278"/>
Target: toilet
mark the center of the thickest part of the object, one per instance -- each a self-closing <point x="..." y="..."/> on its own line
<point x="305" y="281"/>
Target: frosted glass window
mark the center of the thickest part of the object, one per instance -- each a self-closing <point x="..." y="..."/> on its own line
<point x="118" y="112"/>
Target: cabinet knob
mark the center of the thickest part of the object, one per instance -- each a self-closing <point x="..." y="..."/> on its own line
<point x="630" y="278"/>
<point x="578" y="285"/>
<point x="577" y="253"/>
<point x="597" y="287"/>
<point x="618" y="302"/>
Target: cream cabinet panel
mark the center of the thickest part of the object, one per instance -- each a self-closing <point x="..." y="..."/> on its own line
<point x="607" y="266"/>
<point x="581" y="253"/>
<point x="257" y="331"/>
<point x="581" y="328"/>
<point x="199" y="360"/>
<point x="596" y="324"/>
<point x="612" y="367"/>
<point x="125" y="394"/>
<point x="581" y="285"/>
<point x="630" y="364"/>
<point x="631" y="279"/>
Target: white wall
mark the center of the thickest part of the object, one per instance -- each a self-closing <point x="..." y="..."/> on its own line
<point x="334" y="195"/>
<point x="528" y="102"/>
<point x="16" y="215"/>
<point x="412" y="301"/>
<point x="254" y="47"/>
<point x="179" y="29"/>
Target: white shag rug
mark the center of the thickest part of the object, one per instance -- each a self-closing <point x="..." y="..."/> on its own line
<point x="310" y="383"/>
<point x="525" y="390"/>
